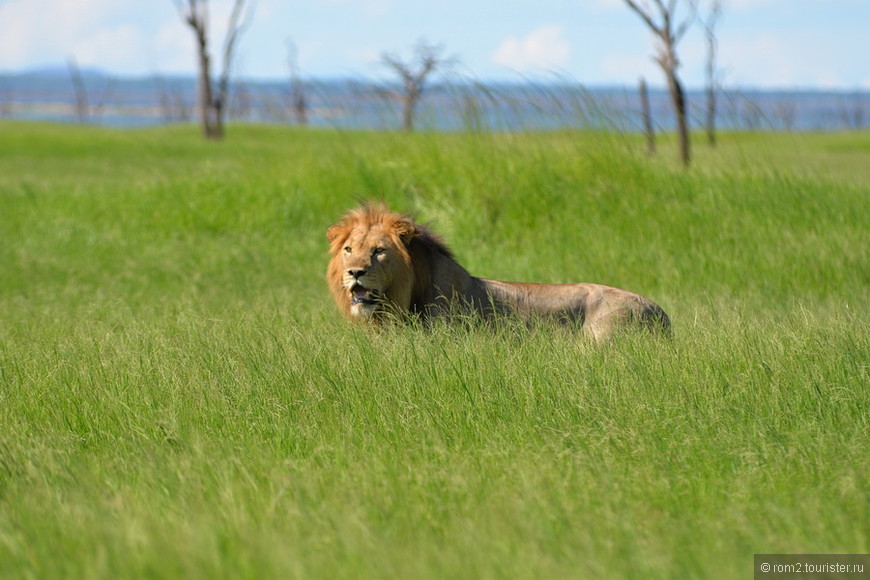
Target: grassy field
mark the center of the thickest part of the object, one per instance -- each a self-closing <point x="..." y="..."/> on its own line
<point x="179" y="398"/>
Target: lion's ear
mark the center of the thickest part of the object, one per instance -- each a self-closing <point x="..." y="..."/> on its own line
<point x="335" y="232"/>
<point x="406" y="230"/>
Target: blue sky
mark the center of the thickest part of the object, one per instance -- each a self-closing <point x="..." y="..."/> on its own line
<point x="762" y="43"/>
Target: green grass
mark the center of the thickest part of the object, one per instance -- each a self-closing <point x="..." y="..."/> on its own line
<point x="179" y="398"/>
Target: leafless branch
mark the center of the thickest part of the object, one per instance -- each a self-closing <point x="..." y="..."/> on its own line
<point x="79" y="90"/>
<point x="414" y="74"/>
<point x="662" y="26"/>
<point x="212" y="99"/>
<point x="643" y="14"/>
<point x="709" y="25"/>
<point x="235" y="27"/>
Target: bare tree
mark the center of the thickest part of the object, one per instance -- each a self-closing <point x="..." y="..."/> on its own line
<point x="747" y="113"/>
<point x="669" y="35"/>
<point x="242" y="102"/>
<point x="298" y="97"/>
<point x="852" y="112"/>
<point x="413" y="74"/>
<point x="710" y="23"/>
<point x="80" y="91"/>
<point x="83" y="108"/>
<point x="648" y="129"/>
<point x="785" y="112"/>
<point x="212" y="97"/>
<point x="171" y="101"/>
<point x="7" y="101"/>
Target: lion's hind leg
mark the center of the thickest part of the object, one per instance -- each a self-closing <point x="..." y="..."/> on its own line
<point x="656" y="320"/>
<point x="637" y="315"/>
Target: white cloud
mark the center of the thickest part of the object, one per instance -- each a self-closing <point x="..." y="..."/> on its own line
<point x="174" y="51"/>
<point x="110" y="48"/>
<point x="597" y="41"/>
<point x="52" y="30"/>
<point x="543" y="48"/>
<point x="776" y="61"/>
<point x="122" y="36"/>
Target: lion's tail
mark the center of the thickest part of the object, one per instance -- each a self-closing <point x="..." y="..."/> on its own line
<point x="656" y="320"/>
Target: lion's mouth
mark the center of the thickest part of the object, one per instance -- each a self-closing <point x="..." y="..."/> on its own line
<point x="362" y="295"/>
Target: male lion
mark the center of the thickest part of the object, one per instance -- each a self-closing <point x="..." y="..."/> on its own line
<point x="383" y="263"/>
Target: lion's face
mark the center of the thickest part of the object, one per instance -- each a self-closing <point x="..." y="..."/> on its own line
<point x="369" y="272"/>
<point x="368" y="260"/>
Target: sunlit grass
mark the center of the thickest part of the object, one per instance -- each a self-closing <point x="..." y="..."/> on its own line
<point x="179" y="398"/>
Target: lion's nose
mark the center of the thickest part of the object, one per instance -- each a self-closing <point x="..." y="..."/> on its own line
<point x="357" y="274"/>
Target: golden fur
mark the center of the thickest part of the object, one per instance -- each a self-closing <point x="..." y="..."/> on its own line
<point x="385" y="264"/>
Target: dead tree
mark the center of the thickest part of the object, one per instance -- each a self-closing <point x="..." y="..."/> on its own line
<point x="648" y="128"/>
<point x="785" y="113"/>
<point x="298" y="96"/>
<point x="84" y="110"/>
<point x="174" y="108"/>
<point x="212" y="96"/>
<point x="80" y="91"/>
<point x="852" y="112"/>
<point x="710" y="24"/>
<point x="413" y="75"/>
<point x="7" y="102"/>
<point x="669" y="34"/>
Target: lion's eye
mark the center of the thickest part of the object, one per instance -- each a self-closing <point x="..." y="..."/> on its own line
<point x="347" y="250"/>
<point x="377" y="250"/>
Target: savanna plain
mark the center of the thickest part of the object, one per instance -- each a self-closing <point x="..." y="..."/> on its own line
<point x="180" y="398"/>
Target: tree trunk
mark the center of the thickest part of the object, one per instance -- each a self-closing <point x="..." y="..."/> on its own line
<point x="80" y="91"/>
<point x="678" y="97"/>
<point x="669" y="36"/>
<point x="414" y="81"/>
<point x="300" y="104"/>
<point x="216" y="113"/>
<point x="710" y="33"/>
<point x="408" y="113"/>
<point x="206" y="98"/>
<point x="408" y="117"/>
<point x="648" y="129"/>
<point x="212" y="99"/>
<point x="710" y="121"/>
<point x="711" y="115"/>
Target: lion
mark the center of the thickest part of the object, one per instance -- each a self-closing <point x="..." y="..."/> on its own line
<point x="385" y="266"/>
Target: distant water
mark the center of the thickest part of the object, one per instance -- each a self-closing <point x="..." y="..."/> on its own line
<point x="360" y="104"/>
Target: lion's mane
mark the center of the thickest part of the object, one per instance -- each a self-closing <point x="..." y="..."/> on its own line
<point x="416" y="248"/>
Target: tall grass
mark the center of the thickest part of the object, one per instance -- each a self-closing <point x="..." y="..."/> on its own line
<point x="179" y="398"/>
